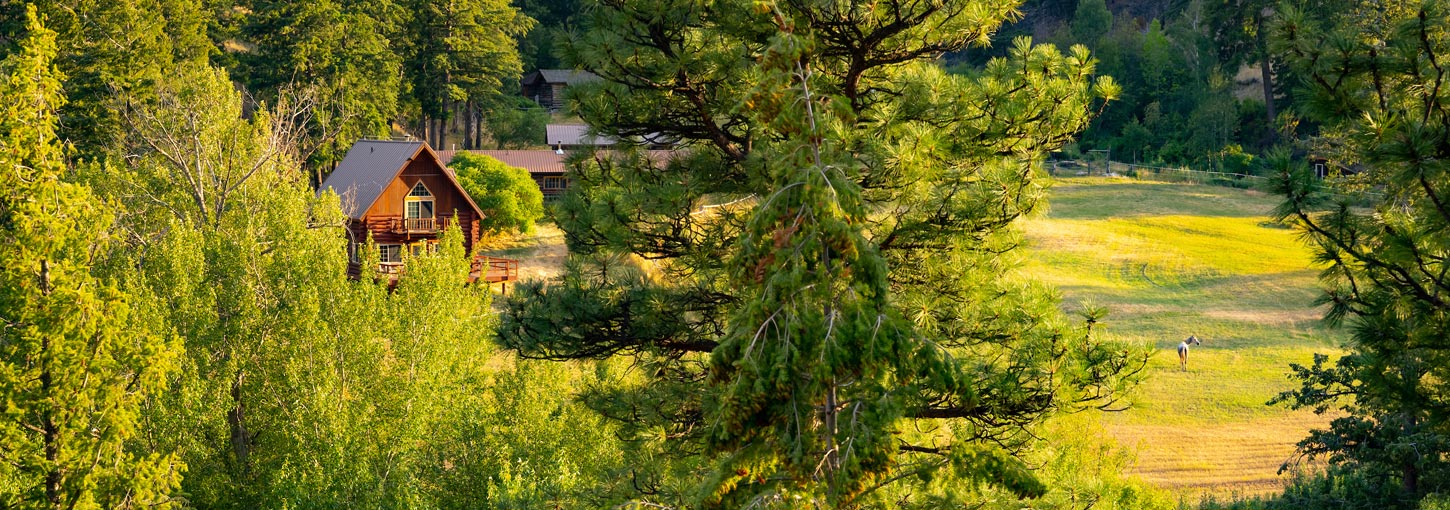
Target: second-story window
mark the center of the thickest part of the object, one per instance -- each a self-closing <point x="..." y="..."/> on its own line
<point x="419" y="202"/>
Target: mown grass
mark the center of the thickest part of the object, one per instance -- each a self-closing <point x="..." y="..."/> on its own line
<point x="1170" y="260"/>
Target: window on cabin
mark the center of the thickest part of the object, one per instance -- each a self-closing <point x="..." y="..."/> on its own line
<point x="390" y="253"/>
<point x="555" y="182"/>
<point x="418" y="203"/>
<point x="422" y="247"/>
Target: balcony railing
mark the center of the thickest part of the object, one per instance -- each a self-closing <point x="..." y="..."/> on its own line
<point x="494" y="269"/>
<point x="415" y="225"/>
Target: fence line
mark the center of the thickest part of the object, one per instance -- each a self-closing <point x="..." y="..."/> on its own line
<point x="1118" y="169"/>
<point x="1136" y="171"/>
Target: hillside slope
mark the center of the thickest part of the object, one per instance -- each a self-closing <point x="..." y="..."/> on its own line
<point x="1170" y="260"/>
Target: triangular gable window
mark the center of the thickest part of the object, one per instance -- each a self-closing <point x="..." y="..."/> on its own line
<point x="419" y="202"/>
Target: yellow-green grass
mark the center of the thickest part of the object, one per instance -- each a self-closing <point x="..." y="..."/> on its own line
<point x="1170" y="260"/>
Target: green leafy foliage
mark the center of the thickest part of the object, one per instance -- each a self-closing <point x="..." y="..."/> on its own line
<point x="299" y="387"/>
<point x="74" y="371"/>
<point x="509" y="197"/>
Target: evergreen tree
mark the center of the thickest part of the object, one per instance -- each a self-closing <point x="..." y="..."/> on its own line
<point x="1090" y="21"/>
<point x="1377" y="90"/>
<point x="1237" y="30"/>
<point x="461" y="51"/>
<point x="110" y="50"/>
<point x="74" y="368"/>
<point x="516" y="123"/>
<point x="335" y="53"/>
<point x="555" y="18"/>
<point x="817" y="289"/>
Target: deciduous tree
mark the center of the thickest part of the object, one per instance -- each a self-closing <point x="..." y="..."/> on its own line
<point x="509" y="197"/>
<point x="299" y="387"/>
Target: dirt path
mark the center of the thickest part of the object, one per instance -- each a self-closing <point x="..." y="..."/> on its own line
<point x="540" y="255"/>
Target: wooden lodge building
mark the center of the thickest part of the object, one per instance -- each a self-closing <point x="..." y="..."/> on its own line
<point x="546" y="168"/>
<point x="402" y="194"/>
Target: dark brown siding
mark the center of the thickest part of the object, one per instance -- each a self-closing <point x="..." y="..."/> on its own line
<point x="448" y="200"/>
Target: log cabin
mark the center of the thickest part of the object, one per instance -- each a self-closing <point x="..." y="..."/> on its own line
<point x="404" y="196"/>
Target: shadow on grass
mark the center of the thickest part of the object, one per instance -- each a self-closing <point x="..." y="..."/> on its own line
<point x="1078" y="201"/>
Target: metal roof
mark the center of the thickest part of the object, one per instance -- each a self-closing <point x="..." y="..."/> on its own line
<point x="370" y="165"/>
<point x="573" y="134"/>
<point x="535" y="161"/>
<point x="543" y="161"/>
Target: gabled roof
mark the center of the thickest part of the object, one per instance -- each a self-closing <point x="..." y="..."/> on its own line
<point x="370" y="165"/>
<point x="565" y="76"/>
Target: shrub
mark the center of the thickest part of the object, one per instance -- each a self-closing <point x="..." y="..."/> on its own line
<point x="510" y="199"/>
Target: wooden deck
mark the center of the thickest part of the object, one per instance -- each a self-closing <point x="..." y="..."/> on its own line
<point x="489" y="270"/>
<point x="493" y="270"/>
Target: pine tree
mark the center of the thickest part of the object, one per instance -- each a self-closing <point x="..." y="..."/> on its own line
<point x="74" y="369"/>
<point x="461" y="51"/>
<point x="1381" y="236"/>
<point x="111" y="50"/>
<point x="1091" y="21"/>
<point x="335" y="53"/>
<point x="818" y="290"/>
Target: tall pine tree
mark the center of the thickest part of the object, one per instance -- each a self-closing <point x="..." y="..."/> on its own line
<point x="1377" y="87"/>
<point x="818" y="290"/>
<point x="74" y="370"/>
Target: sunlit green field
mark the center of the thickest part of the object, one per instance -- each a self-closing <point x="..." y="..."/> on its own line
<point x="1170" y="260"/>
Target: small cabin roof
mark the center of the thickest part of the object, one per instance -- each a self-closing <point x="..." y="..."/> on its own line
<point x="565" y="76"/>
<point x="371" y="165"/>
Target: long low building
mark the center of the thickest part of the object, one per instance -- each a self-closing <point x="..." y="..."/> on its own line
<point x="547" y="167"/>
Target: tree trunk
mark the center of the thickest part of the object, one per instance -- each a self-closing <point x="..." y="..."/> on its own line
<point x="468" y="125"/>
<point x="236" y="416"/>
<point x="48" y="426"/>
<point x="1267" y="74"/>
<point x="441" y="135"/>
<point x="477" y="127"/>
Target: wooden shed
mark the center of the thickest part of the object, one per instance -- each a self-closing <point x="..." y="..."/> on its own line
<point x="546" y="86"/>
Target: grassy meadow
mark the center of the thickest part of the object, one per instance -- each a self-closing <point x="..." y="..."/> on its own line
<point x="1170" y="260"/>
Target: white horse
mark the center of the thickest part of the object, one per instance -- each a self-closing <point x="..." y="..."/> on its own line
<point x="1183" y="350"/>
